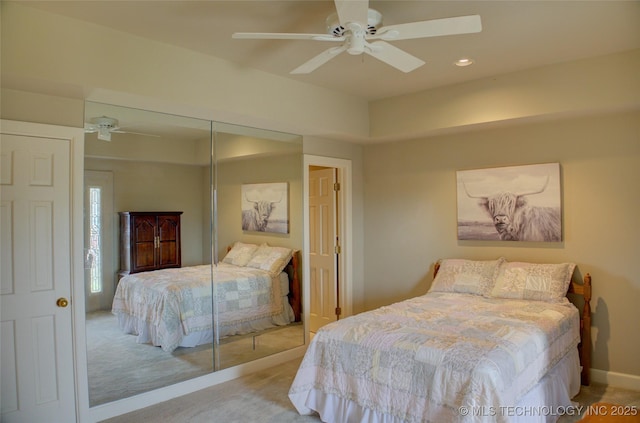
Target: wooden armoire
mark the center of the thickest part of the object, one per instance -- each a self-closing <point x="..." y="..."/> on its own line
<point x="149" y="241"/>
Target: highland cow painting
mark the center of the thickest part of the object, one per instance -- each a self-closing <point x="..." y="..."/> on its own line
<point x="265" y="207"/>
<point x="516" y="203"/>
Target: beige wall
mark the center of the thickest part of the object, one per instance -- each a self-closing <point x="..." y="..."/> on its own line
<point x="594" y="85"/>
<point x="410" y="218"/>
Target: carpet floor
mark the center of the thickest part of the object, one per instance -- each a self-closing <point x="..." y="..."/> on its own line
<point x="118" y="367"/>
<point x="263" y="397"/>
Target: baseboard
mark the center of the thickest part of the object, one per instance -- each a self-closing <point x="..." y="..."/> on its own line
<point x="619" y="380"/>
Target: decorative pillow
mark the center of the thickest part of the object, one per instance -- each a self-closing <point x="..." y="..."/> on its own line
<point x="271" y="259"/>
<point x="530" y="281"/>
<point x="466" y="276"/>
<point x="240" y="254"/>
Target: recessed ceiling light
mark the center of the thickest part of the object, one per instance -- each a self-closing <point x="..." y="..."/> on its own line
<point x="463" y="62"/>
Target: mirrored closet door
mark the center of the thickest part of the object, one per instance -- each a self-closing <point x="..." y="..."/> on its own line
<point x="147" y="208"/>
<point x="259" y="215"/>
<point x="165" y="198"/>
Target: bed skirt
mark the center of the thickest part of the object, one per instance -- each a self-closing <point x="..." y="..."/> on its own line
<point x="542" y="404"/>
<point x="147" y="333"/>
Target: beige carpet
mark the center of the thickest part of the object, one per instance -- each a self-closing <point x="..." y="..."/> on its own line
<point x="263" y="397"/>
<point x="602" y="412"/>
<point x="259" y="397"/>
<point x="118" y="367"/>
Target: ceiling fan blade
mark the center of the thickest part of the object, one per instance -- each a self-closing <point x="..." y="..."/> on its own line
<point x="284" y="36"/>
<point x="352" y="11"/>
<point x="433" y="28"/>
<point x="393" y="56"/>
<point x="144" y="134"/>
<point x="319" y="60"/>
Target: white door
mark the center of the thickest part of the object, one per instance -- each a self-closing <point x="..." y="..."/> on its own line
<point x="36" y="332"/>
<point x="322" y="248"/>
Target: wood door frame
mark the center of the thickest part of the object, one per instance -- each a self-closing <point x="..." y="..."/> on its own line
<point x="345" y="231"/>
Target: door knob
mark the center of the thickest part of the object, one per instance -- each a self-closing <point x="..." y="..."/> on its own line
<point x="62" y="302"/>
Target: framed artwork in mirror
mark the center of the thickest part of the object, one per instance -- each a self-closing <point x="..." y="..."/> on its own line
<point x="265" y="207"/>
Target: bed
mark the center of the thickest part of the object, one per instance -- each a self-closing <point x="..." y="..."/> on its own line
<point x="492" y="341"/>
<point x="257" y="288"/>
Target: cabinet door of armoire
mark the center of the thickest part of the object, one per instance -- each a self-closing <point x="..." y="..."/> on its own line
<point x="168" y="248"/>
<point x="143" y="240"/>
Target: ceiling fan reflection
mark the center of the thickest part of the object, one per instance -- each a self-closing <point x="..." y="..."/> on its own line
<point x="104" y="126"/>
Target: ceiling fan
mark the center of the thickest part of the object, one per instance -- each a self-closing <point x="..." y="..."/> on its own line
<point x="105" y="126"/>
<point x="359" y="30"/>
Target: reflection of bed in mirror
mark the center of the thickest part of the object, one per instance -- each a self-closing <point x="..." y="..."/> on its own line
<point x="256" y="288"/>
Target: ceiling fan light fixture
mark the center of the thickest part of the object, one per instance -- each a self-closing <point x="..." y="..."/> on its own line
<point x="463" y="62"/>
<point x="104" y="133"/>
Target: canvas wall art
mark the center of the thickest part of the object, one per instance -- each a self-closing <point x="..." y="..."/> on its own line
<point x="515" y="203"/>
<point x="265" y="207"/>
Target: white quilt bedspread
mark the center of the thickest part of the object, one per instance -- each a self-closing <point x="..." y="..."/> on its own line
<point x="174" y="303"/>
<point x="421" y="359"/>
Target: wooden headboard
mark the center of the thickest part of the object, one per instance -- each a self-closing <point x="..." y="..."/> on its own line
<point x="295" y="289"/>
<point x="584" y="347"/>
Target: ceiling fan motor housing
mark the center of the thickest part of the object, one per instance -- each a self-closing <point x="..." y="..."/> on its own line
<point x="105" y="122"/>
<point x="374" y="21"/>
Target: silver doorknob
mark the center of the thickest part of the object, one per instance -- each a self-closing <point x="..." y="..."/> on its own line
<point x="62" y="302"/>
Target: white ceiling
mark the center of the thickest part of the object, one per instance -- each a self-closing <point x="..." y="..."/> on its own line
<point x="516" y="35"/>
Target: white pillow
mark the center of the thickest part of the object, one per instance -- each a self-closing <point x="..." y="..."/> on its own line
<point x="466" y="276"/>
<point x="240" y="254"/>
<point x="271" y="259"/>
<point x="531" y="281"/>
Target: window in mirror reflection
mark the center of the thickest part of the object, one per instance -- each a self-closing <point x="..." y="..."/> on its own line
<point x="94" y="253"/>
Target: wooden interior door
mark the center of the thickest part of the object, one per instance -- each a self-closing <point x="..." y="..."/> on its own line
<point x="37" y="370"/>
<point x="322" y="251"/>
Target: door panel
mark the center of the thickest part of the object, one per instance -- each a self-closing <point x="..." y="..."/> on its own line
<point x="36" y="338"/>
<point x="168" y="236"/>
<point x="144" y="251"/>
<point x="322" y="242"/>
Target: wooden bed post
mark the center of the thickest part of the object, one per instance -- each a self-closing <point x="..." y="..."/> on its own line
<point x="584" y="347"/>
<point x="296" y="297"/>
<point x="585" y="328"/>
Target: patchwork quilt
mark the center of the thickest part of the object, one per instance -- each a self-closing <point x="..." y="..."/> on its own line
<point x="177" y="302"/>
<point x="421" y="359"/>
